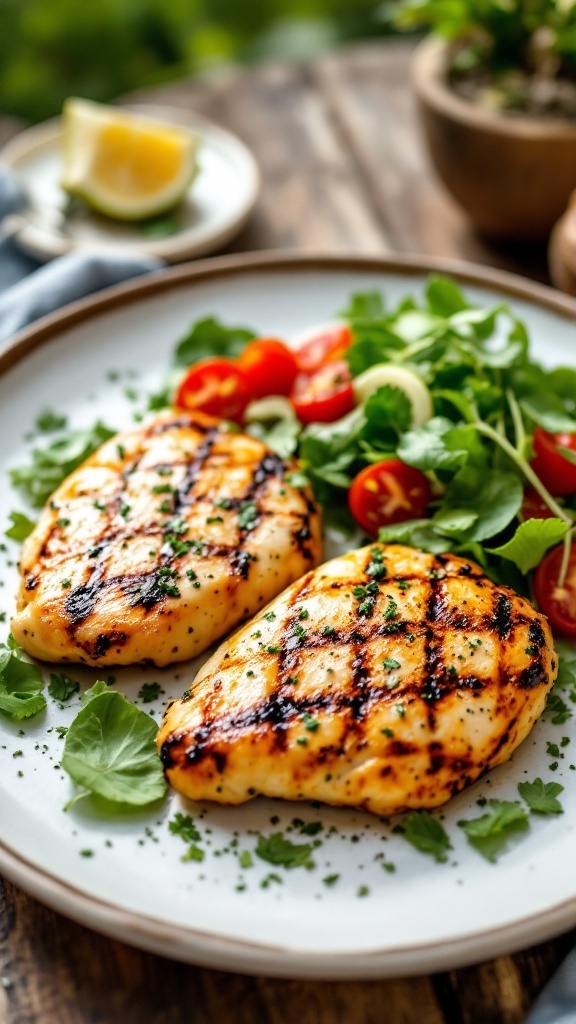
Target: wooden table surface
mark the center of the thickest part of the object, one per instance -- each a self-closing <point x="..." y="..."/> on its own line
<point x="344" y="171"/>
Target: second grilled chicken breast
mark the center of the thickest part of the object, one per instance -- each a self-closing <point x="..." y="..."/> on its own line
<point x="387" y="679"/>
<point x="160" y="543"/>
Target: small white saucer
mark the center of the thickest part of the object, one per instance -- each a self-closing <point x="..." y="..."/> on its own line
<point x="218" y="204"/>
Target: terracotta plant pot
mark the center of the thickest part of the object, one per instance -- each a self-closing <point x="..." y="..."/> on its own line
<point x="513" y="174"/>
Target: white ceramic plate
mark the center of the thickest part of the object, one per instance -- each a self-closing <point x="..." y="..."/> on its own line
<point x="218" y="205"/>
<point x="422" y="917"/>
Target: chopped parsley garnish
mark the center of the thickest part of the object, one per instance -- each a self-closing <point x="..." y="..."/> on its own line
<point x="376" y="567"/>
<point x="182" y="825"/>
<point x="193" y="853"/>
<point x="275" y="849"/>
<point x="491" y="833"/>
<point x="245" y="859"/>
<point x="557" y="709"/>
<point x="427" y="834"/>
<point x="390" y="664"/>
<point x="331" y="879"/>
<point x="329" y="631"/>
<point x="21" y="527"/>
<point x="303" y="613"/>
<point x="225" y="503"/>
<point x="48" y="421"/>
<point x="61" y="687"/>
<point x="269" y="616"/>
<point x="272" y="649"/>
<point x="162" y="489"/>
<point x="214" y="519"/>
<point x="387" y="731"/>
<point x="62" y="522"/>
<point x="165" y="506"/>
<point x="391" y="609"/>
<point x="248" y="514"/>
<point x="541" y="796"/>
<point x="309" y="722"/>
<point x="149" y="692"/>
<point x="66" y="584"/>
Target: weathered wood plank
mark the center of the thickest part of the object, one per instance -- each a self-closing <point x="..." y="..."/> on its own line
<point x="311" y="199"/>
<point x="367" y="88"/>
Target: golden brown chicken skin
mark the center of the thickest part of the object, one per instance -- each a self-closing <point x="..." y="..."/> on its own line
<point x="161" y="543"/>
<point x="387" y="679"/>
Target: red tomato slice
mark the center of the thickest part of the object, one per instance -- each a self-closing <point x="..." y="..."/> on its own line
<point x="329" y="343"/>
<point x="533" y="507"/>
<point x="215" y="386"/>
<point x="388" y="492"/>
<point x="324" y="396"/>
<point x="269" y="367"/>
<point x="556" y="473"/>
<point x="558" y="603"/>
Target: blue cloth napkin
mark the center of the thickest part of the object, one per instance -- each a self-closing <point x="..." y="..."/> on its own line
<point x="29" y="290"/>
<point x="556" y="1004"/>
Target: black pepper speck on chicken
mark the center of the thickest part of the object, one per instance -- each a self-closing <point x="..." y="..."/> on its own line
<point x="162" y="542"/>
<point x="386" y="679"/>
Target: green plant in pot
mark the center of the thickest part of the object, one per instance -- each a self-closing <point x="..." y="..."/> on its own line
<point x="496" y="89"/>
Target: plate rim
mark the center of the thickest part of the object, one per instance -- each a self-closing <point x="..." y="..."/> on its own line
<point x="29" y="236"/>
<point x="222" y="952"/>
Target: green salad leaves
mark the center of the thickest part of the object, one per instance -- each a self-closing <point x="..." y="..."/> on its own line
<point x="110" y="750"/>
<point x="50" y="465"/>
<point x="21" y="683"/>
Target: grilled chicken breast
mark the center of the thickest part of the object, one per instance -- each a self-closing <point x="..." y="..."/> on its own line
<point x="160" y="543"/>
<point x="387" y="679"/>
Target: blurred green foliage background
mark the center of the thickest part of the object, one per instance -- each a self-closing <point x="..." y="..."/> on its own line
<point x="50" y="49"/>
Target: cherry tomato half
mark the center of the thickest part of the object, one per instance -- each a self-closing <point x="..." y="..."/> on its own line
<point x="558" y="603"/>
<point x="269" y="367"/>
<point x="533" y="507"/>
<point x="388" y="492"/>
<point x="556" y="473"/>
<point x="215" y="386"/>
<point x="324" y="396"/>
<point x="328" y="344"/>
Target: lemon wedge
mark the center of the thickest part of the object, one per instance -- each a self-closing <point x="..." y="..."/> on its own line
<point x="125" y="165"/>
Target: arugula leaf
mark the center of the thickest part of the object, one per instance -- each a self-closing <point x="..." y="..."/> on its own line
<point x="425" y="447"/>
<point x="21" y="527"/>
<point x="61" y="687"/>
<point x="496" y="499"/>
<point x="364" y="306"/>
<point x="427" y="834"/>
<point x="20" y="684"/>
<point x="275" y="849"/>
<point x="99" y="687"/>
<point x="444" y="296"/>
<point x="491" y="833"/>
<point x="388" y="409"/>
<point x="416" y="533"/>
<point x="556" y="709"/>
<point x="48" y="421"/>
<point x="548" y="411"/>
<point x="110" y="751"/>
<point x="49" y="466"/>
<point x="566" y="678"/>
<point x="531" y="541"/>
<point x="281" y="435"/>
<point x="209" y="337"/>
<point x="541" y="796"/>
